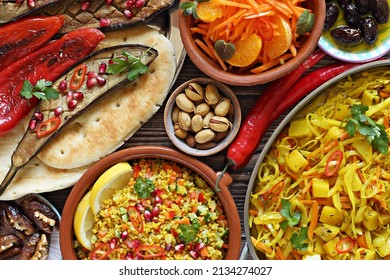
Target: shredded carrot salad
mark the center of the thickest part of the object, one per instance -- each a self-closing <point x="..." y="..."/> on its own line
<point x="321" y="193"/>
<point x="273" y="21"/>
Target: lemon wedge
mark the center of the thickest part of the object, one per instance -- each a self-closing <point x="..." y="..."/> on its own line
<point x="83" y="222"/>
<point x="116" y="177"/>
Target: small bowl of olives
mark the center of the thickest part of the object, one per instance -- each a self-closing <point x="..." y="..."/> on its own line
<point x="202" y="116"/>
<point x="356" y="30"/>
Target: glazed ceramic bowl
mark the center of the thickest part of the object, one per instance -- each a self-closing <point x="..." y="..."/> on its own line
<point x="308" y="105"/>
<point x="245" y="78"/>
<point x="234" y="116"/>
<point x="151" y="152"/>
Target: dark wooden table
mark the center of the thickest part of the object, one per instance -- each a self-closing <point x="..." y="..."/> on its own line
<point x="153" y="133"/>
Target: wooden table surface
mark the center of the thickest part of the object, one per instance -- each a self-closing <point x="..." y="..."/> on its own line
<point x="153" y="133"/>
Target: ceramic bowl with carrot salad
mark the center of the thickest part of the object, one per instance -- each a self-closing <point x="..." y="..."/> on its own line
<point x="248" y="42"/>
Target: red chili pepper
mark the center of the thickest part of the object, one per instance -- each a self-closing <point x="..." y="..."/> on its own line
<point x="256" y="122"/>
<point x="101" y="252"/>
<point x="333" y="163"/>
<point x="136" y="218"/>
<point x="19" y="38"/>
<point x="149" y="251"/>
<point x="49" y="126"/>
<point x="47" y="63"/>
<point x="78" y="77"/>
<point x="345" y="245"/>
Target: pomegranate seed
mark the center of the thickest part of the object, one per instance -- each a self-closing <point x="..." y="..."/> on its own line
<point x="101" y="81"/>
<point x="32" y="125"/>
<point x="148" y="215"/>
<point x="158" y="200"/>
<point x="130" y="3"/>
<point x="69" y="96"/>
<point x="113" y="243"/>
<point x="129" y="256"/>
<point x="194" y="254"/>
<point x="180" y="247"/>
<point x="58" y="111"/>
<point x="104" y="22"/>
<point x="155" y="211"/>
<point x="132" y="243"/>
<point x="139" y="207"/>
<point x="91" y="75"/>
<point x="124" y="235"/>
<point x="19" y="1"/>
<point x="199" y="246"/>
<point x="92" y="82"/>
<point x="108" y="2"/>
<point x="31" y="3"/>
<point x="85" y="5"/>
<point x="72" y="104"/>
<point x="78" y="96"/>
<point x="63" y="85"/>
<point x="102" y="68"/>
<point x="139" y="3"/>
<point x="128" y="14"/>
<point x="168" y="247"/>
<point x="38" y="116"/>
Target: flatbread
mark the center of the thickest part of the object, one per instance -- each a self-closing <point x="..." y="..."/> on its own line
<point x="117" y="117"/>
<point x="101" y="131"/>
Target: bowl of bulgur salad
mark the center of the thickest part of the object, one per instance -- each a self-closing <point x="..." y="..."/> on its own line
<point x="150" y="202"/>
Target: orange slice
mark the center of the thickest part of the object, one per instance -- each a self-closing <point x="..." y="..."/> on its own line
<point x="208" y="11"/>
<point x="281" y="41"/>
<point x="247" y="51"/>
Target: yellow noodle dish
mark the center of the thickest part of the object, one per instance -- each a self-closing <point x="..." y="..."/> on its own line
<point x="323" y="188"/>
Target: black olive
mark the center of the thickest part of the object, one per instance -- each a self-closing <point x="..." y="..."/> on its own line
<point x="380" y="10"/>
<point x="351" y="15"/>
<point x="369" y="30"/>
<point x="363" y="6"/>
<point x="344" y="3"/>
<point x="332" y="12"/>
<point x="347" y="35"/>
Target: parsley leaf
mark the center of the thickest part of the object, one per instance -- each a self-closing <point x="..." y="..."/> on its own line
<point x="144" y="188"/>
<point x="133" y="65"/>
<point x="188" y="232"/>
<point x="42" y="90"/>
<point x="375" y="133"/>
<point x="292" y="219"/>
<point x="297" y="239"/>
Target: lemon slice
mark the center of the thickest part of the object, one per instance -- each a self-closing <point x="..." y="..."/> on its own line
<point x="83" y="222"/>
<point x="117" y="177"/>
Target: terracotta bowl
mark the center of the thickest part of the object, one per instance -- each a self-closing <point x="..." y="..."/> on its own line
<point x="244" y="78"/>
<point x="235" y="118"/>
<point x="92" y="174"/>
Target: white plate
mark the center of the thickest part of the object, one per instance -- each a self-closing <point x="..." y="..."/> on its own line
<point x="359" y="53"/>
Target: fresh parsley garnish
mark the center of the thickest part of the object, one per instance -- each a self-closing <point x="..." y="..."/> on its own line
<point x="375" y="133"/>
<point x="132" y="64"/>
<point x="188" y="232"/>
<point x="144" y="188"/>
<point x="292" y="219"/>
<point x="42" y="90"/>
<point x="297" y="239"/>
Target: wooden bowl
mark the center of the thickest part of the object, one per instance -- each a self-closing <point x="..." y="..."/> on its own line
<point x="246" y="78"/>
<point x="225" y="91"/>
<point x="159" y="152"/>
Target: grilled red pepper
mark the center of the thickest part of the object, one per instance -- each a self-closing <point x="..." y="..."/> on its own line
<point x="24" y="36"/>
<point x="78" y="77"/>
<point x="46" y="63"/>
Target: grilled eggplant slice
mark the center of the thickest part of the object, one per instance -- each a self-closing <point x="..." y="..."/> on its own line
<point x="12" y="10"/>
<point x="105" y="17"/>
<point x="75" y="101"/>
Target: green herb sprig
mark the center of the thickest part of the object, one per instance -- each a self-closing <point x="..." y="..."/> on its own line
<point x="189" y="7"/>
<point x="298" y="239"/>
<point x="188" y="232"/>
<point x="132" y="64"/>
<point x="144" y="188"/>
<point x="375" y="133"/>
<point x="42" y="90"/>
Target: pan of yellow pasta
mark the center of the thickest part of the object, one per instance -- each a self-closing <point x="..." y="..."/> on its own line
<point x="320" y="188"/>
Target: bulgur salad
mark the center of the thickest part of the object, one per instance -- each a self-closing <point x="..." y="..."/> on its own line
<point x="166" y="211"/>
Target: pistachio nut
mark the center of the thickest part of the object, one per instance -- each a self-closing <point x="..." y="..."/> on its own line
<point x="206" y="119"/>
<point x="184" y="103"/>
<point x="196" y="123"/>
<point x="175" y="114"/>
<point x="222" y="107"/>
<point x="190" y="140"/>
<point x="194" y="92"/>
<point x="184" y="120"/>
<point x="206" y="146"/>
<point x="220" y="124"/>
<point x="202" y="109"/>
<point x="212" y="95"/>
<point x="204" y="136"/>
<point x="182" y="134"/>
